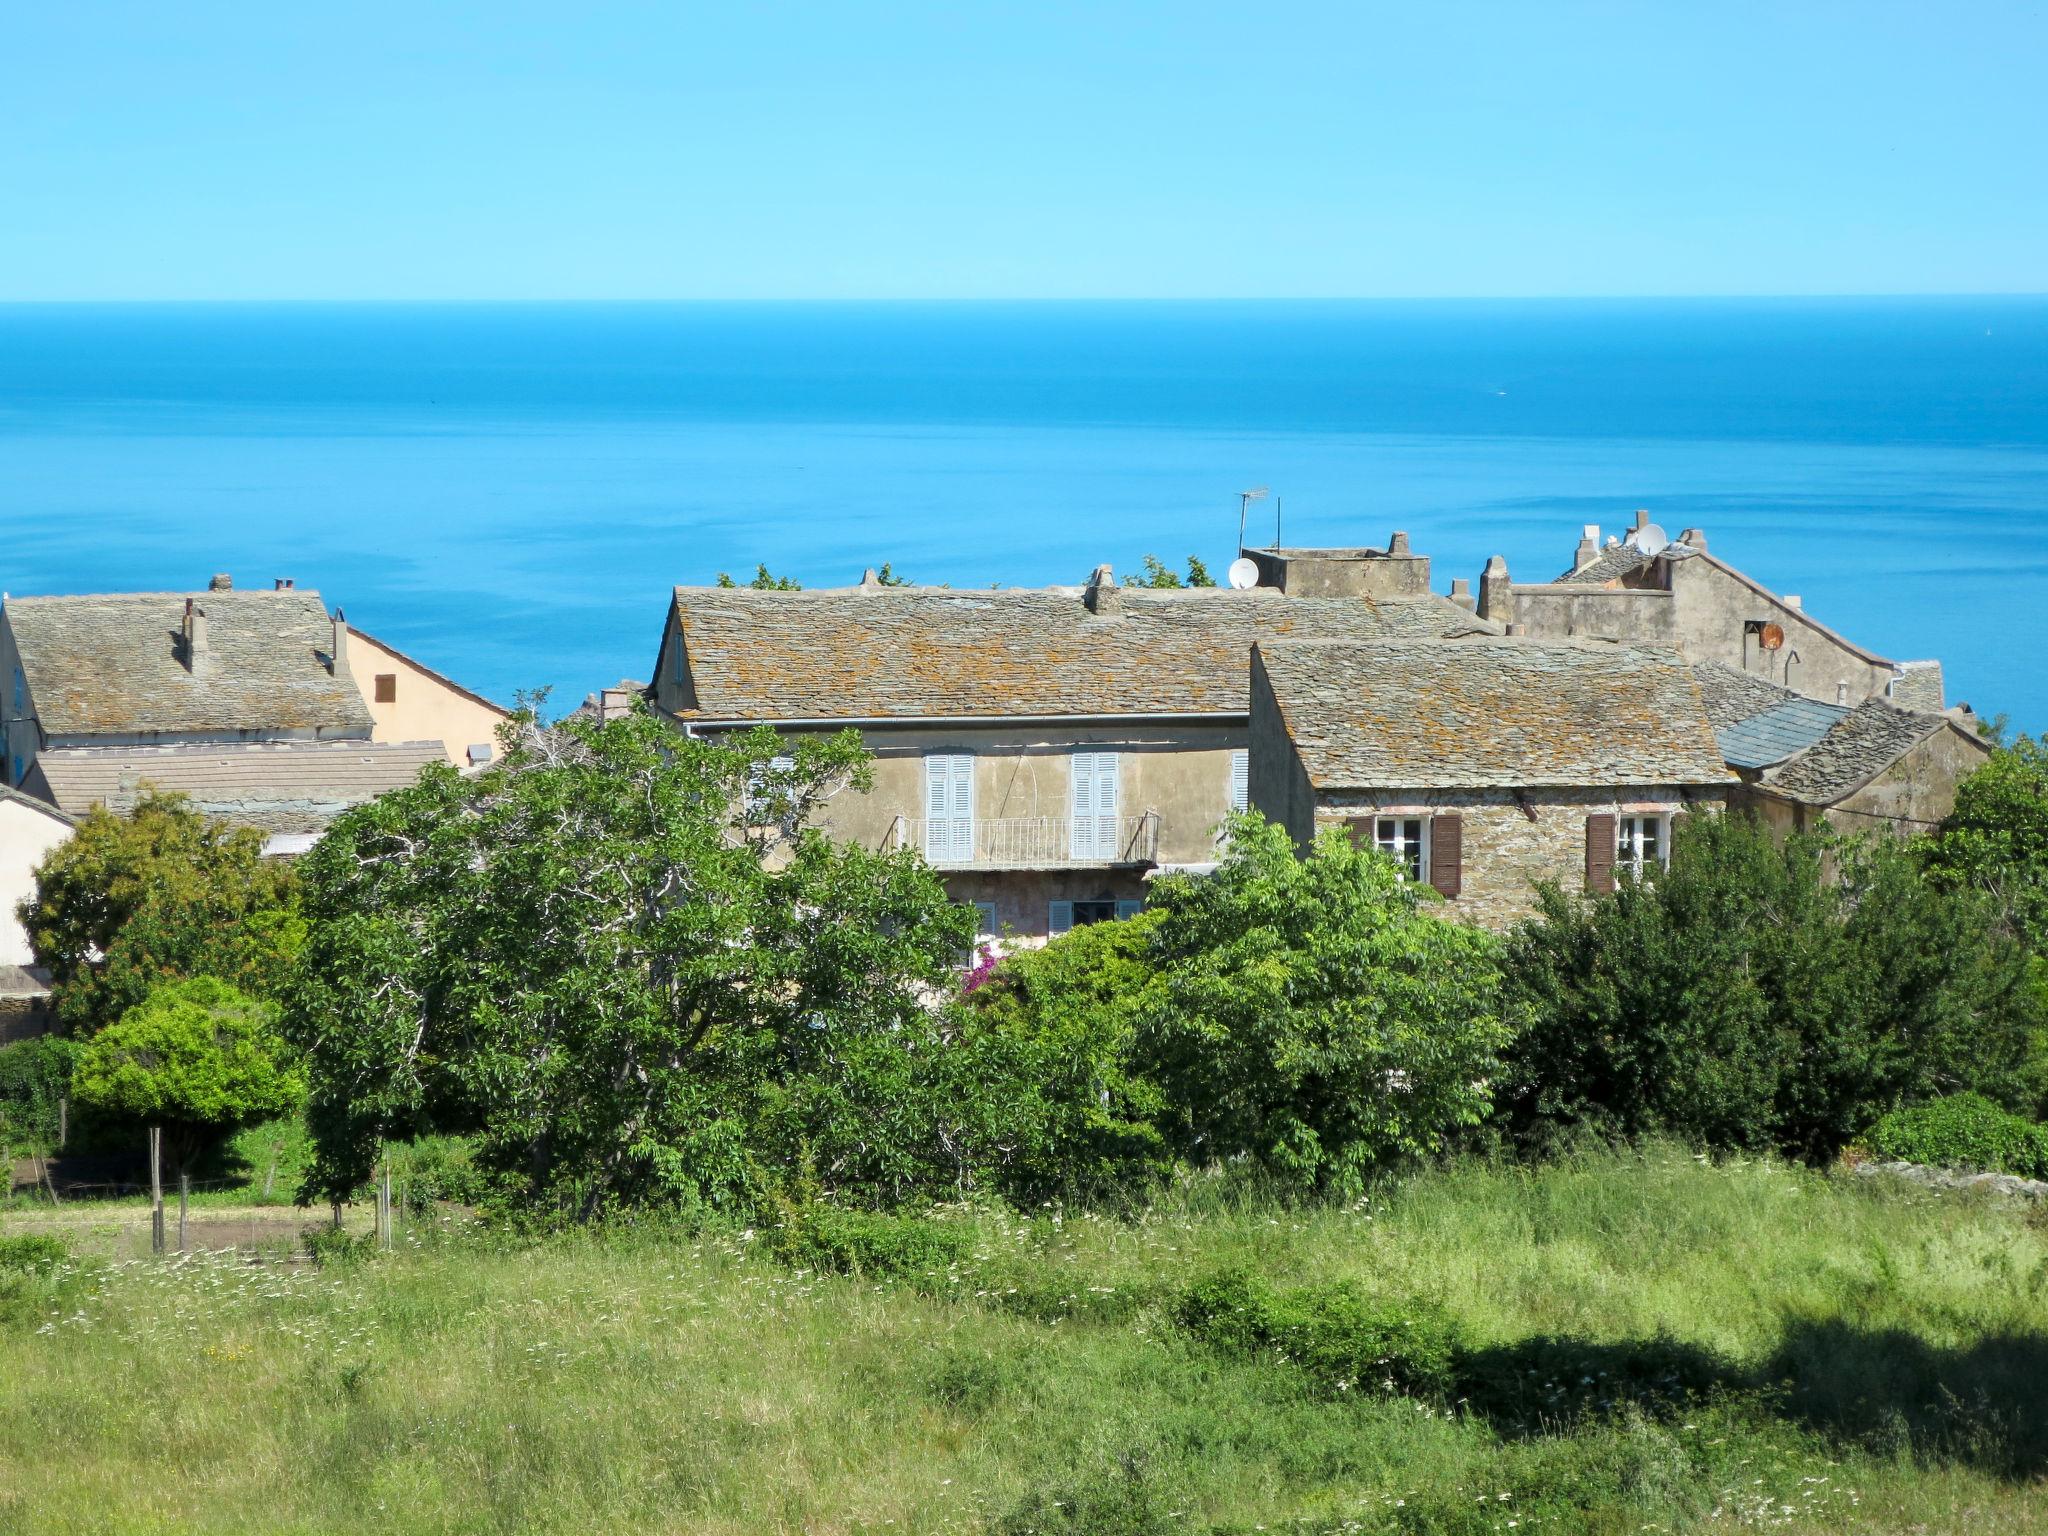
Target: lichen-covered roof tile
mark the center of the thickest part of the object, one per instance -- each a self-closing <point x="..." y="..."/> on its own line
<point x="295" y="786"/>
<point x="1862" y="744"/>
<point x="938" y="652"/>
<point x="114" y="664"/>
<point x="1486" y="713"/>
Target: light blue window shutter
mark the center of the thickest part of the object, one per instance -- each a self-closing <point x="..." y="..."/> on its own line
<point x="1059" y="916"/>
<point x="1240" y="779"/>
<point x="949" y="807"/>
<point x="1129" y="908"/>
<point x="1093" y="830"/>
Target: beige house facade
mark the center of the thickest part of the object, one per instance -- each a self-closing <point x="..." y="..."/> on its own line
<point x="1484" y="765"/>
<point x="1048" y="750"/>
<point x="409" y="701"/>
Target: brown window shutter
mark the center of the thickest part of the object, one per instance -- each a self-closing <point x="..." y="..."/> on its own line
<point x="1361" y="831"/>
<point x="1599" y="854"/>
<point x="1447" y="854"/>
<point x="387" y="687"/>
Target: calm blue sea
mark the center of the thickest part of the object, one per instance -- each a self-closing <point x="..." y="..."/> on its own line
<point x="510" y="490"/>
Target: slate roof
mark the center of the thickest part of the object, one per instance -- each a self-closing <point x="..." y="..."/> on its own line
<point x="1863" y="743"/>
<point x="295" y="786"/>
<point x="1487" y="713"/>
<point x="1733" y="695"/>
<point x="113" y="664"/>
<point x="936" y="652"/>
<point x="1611" y="564"/>
<point x="1779" y="732"/>
<point x="35" y="803"/>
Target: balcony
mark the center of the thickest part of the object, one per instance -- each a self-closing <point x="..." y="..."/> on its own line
<point x="1029" y="842"/>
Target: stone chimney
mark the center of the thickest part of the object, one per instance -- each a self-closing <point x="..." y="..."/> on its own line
<point x="869" y="581"/>
<point x="1589" y="547"/>
<point x="1495" y="601"/>
<point x="1397" y="546"/>
<point x="337" y="654"/>
<point x="1694" y="538"/>
<point x="198" y="648"/>
<point x="221" y="583"/>
<point x="1104" y="596"/>
<point x="1642" y="519"/>
<point x="1461" y="594"/>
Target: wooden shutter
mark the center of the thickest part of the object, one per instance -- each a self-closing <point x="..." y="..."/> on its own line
<point x="1092" y="829"/>
<point x="1447" y="854"/>
<point x="1599" y="854"/>
<point x="1129" y="908"/>
<point x="1362" y="834"/>
<point x="1240" y="779"/>
<point x="949" y="807"/>
<point x="1059" y="916"/>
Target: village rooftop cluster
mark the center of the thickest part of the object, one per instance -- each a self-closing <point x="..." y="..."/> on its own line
<point x="1052" y="750"/>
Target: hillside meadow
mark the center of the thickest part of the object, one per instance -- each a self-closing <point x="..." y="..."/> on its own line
<point x="1649" y="1342"/>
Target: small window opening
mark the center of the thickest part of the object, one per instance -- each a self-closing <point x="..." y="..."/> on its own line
<point x="387" y="687"/>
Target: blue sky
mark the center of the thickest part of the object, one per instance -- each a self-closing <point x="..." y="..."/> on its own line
<point x="961" y="150"/>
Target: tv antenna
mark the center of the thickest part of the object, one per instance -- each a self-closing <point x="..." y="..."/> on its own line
<point x="1244" y="506"/>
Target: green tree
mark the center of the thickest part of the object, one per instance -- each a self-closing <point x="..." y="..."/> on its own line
<point x="1310" y="1014"/>
<point x="889" y="578"/>
<point x="763" y="582"/>
<point x="130" y="901"/>
<point x="608" y="958"/>
<point x="1158" y="574"/>
<point x="1059" y="1024"/>
<point x="1761" y="993"/>
<point x="1996" y="838"/>
<point x="197" y="1057"/>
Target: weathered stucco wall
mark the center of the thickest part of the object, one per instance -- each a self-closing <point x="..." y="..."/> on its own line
<point x="1917" y="791"/>
<point x="26" y="834"/>
<point x="427" y="707"/>
<point x="1509" y="847"/>
<point x="1280" y="789"/>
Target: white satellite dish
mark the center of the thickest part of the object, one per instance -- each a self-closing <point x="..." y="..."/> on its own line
<point x="1243" y="574"/>
<point x="1650" y="539"/>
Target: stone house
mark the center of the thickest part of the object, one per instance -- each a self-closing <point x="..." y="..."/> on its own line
<point x="1677" y="595"/>
<point x="245" y="701"/>
<point x="1047" y="749"/>
<point x="1806" y="764"/>
<point x="1484" y="764"/>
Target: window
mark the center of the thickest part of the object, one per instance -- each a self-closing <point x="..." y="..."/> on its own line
<point x="1092" y="834"/>
<point x="767" y="795"/>
<point x="1405" y="840"/>
<point x="949" y="807"/>
<point x="1063" y="915"/>
<point x="387" y="688"/>
<point x="1240" y="779"/>
<point x="1640" y="843"/>
<point x="985" y="924"/>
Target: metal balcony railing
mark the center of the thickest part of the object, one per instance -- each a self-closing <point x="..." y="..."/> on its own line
<point x="1030" y="842"/>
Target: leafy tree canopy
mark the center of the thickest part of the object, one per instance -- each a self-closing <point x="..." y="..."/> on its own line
<point x="1762" y="993"/>
<point x="1309" y="1014"/>
<point x="1996" y="840"/>
<point x="197" y="1057"/>
<point x="763" y="582"/>
<point x="130" y="901"/>
<point x="607" y="958"/>
<point x="1159" y="574"/>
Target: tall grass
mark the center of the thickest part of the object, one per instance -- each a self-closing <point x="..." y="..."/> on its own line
<point x="1864" y="1358"/>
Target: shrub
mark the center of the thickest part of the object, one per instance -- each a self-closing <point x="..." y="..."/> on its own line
<point x="198" y="1058"/>
<point x="34" y="1075"/>
<point x="1964" y="1130"/>
<point x="1334" y="1333"/>
<point x="1308" y="1015"/>
<point x="1056" y="1025"/>
<point x="835" y="1241"/>
<point x="32" y="1254"/>
<point x="436" y="1168"/>
<point x="1761" y="994"/>
<point x="37" y="1276"/>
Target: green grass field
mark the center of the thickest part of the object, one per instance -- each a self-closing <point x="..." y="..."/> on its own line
<point x="1733" y="1347"/>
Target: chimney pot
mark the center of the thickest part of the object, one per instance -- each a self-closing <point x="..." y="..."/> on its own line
<point x="1642" y="517"/>
<point x="1398" y="545"/>
<point x="1791" y="599"/>
<point x="337" y="654"/>
<point x="1461" y="594"/>
<point x="1589" y="547"/>
<point x="869" y="581"/>
<point x="221" y="583"/>
<point x="1518" y="629"/>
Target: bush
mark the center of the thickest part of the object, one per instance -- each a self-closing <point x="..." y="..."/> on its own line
<point x="1334" y="1333"/>
<point x="1761" y="994"/>
<point x="1310" y="1017"/>
<point x="198" y="1058"/>
<point x="32" y="1255"/>
<point x="1964" y="1130"/>
<point x="842" y="1242"/>
<point x="34" y="1076"/>
<point x="436" y="1168"/>
<point x="37" y="1276"/>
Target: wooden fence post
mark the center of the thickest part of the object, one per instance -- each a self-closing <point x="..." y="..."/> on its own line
<point x="184" y="1196"/>
<point x="156" y="1189"/>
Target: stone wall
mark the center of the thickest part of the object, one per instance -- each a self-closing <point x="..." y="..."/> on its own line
<point x="1510" y="844"/>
